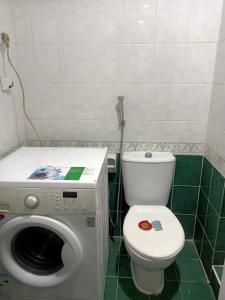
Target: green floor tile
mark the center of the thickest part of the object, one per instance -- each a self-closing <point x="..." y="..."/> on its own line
<point x="110" y="288"/>
<point x="207" y="256"/>
<point x="196" y="291"/>
<point x="170" y="292"/>
<point x="189" y="251"/>
<point x="124" y="266"/>
<point x="114" y="246"/>
<point x="170" y="273"/>
<point x="123" y="250"/>
<point x="190" y="270"/>
<point x="127" y="290"/>
<point x="112" y="269"/>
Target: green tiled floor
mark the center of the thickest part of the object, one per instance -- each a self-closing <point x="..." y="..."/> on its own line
<point x="184" y="280"/>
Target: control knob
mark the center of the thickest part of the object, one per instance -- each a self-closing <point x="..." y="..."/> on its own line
<point x="31" y="201"/>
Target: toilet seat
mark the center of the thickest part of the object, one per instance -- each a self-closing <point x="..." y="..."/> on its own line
<point x="151" y="243"/>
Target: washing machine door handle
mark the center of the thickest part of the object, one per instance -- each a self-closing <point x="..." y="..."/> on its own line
<point x="70" y="256"/>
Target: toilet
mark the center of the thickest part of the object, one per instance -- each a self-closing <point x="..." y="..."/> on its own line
<point x="153" y="236"/>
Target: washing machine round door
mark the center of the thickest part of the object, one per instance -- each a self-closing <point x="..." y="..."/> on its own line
<point x="39" y="251"/>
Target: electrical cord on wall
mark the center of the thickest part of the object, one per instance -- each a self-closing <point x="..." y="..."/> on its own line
<point x="5" y="41"/>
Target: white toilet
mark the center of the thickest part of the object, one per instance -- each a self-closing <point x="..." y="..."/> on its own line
<point x="153" y="236"/>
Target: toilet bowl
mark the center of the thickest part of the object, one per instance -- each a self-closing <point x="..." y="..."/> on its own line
<point x="152" y="249"/>
<point x="153" y="236"/>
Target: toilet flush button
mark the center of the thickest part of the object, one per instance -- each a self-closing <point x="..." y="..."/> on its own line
<point x="145" y="225"/>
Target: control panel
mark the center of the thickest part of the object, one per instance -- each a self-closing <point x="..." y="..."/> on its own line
<point x="47" y="201"/>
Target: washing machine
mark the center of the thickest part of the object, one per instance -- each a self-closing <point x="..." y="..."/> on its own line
<point x="53" y="223"/>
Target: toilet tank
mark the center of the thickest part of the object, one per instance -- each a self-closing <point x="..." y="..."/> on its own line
<point x="147" y="180"/>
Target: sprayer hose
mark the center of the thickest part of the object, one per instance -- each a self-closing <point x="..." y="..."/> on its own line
<point x="23" y="96"/>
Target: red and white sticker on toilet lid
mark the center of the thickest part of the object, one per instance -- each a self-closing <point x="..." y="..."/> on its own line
<point x="146" y="225"/>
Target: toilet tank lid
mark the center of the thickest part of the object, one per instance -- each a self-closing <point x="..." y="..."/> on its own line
<point x="155" y="157"/>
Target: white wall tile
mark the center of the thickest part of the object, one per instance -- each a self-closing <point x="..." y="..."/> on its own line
<point x="5" y="19"/>
<point x="78" y="64"/>
<point x="204" y="22"/>
<point x="199" y="63"/>
<point x="215" y="139"/>
<point x="172" y="21"/>
<point x="7" y="117"/>
<point x="169" y="63"/>
<point x="93" y="130"/>
<point x="77" y="25"/>
<point x="108" y="21"/>
<point x="87" y="52"/>
<point x="22" y="22"/>
<point x="222" y="24"/>
<point x="138" y="102"/>
<point x="193" y="102"/>
<point x="108" y="66"/>
<point x="49" y="63"/>
<point x="45" y="21"/>
<point x="219" y="76"/>
<point x="34" y="94"/>
<point x="102" y="106"/>
<point x="26" y="63"/>
<point x="48" y="129"/>
<point x="138" y="63"/>
<point x="77" y="102"/>
<point x="137" y="131"/>
<point x="217" y="108"/>
<point x="178" y="131"/>
<point x="11" y="125"/>
<point x="139" y="21"/>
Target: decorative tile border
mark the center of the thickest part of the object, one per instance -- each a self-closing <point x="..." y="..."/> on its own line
<point x="176" y="148"/>
<point x="217" y="161"/>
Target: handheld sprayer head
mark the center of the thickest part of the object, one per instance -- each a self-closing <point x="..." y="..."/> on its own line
<point x="5" y="39"/>
<point x="120" y="111"/>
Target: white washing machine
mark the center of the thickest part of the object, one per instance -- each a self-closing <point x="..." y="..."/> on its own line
<point x="53" y="224"/>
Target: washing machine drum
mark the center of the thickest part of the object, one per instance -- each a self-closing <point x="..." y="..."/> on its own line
<point x="39" y="251"/>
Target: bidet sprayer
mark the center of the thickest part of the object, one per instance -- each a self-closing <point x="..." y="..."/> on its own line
<point x="120" y="111"/>
<point x="5" y="39"/>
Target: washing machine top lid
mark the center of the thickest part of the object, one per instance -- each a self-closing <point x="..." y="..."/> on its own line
<point x="17" y="168"/>
<point x="153" y="231"/>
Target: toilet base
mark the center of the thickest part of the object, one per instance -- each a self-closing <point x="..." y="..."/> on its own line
<point x="147" y="281"/>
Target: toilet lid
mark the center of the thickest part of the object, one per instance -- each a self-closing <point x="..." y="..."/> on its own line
<point x="153" y="231"/>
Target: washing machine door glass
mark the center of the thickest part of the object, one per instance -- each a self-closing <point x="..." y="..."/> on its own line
<point x="40" y="251"/>
<point x="32" y="248"/>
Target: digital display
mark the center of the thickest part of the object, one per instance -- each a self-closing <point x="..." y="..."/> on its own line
<point x="69" y="194"/>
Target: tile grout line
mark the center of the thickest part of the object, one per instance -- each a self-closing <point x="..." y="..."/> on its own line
<point x="200" y="180"/>
<point x="203" y="226"/>
<point x="206" y="276"/>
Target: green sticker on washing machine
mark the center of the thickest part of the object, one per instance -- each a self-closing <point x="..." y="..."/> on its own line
<point x="74" y="173"/>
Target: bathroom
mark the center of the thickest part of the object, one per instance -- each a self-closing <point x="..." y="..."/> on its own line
<point x="75" y="57"/>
